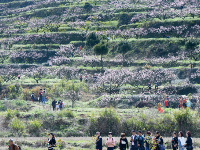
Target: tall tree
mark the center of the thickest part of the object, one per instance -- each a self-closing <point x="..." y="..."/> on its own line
<point x="123" y="48"/>
<point x="101" y="49"/>
<point x="190" y="47"/>
<point x="92" y="39"/>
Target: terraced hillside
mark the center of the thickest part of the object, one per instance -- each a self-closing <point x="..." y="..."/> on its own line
<point x="117" y="46"/>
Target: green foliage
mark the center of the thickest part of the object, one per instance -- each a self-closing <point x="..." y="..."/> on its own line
<point x="11" y="114"/>
<point x="124" y="19"/>
<point x="16" y="125"/>
<point x="190" y="47"/>
<point x="101" y="48"/>
<point x="124" y="47"/>
<point x="92" y="39"/>
<point x="14" y="91"/>
<point x="34" y="125"/>
<point x="68" y="113"/>
<point x="87" y="7"/>
<point x="108" y="121"/>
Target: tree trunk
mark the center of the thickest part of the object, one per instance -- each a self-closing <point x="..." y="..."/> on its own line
<point x="101" y="61"/>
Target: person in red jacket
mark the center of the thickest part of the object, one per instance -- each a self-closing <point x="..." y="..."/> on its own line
<point x="181" y="103"/>
<point x="166" y="103"/>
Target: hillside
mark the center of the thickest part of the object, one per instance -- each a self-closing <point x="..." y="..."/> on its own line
<point x="94" y="54"/>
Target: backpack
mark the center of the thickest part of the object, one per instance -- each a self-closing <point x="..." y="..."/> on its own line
<point x="60" y="104"/>
<point x="18" y="147"/>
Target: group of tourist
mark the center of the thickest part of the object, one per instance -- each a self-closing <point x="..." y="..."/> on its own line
<point x="140" y="142"/>
<point x="56" y="106"/>
<point x="42" y="96"/>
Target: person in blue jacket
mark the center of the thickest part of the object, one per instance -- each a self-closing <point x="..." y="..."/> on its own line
<point x="98" y="141"/>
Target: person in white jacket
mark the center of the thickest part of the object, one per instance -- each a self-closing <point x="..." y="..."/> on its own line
<point x="181" y="140"/>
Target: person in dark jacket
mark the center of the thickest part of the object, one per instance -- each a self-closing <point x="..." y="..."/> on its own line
<point x="98" y="141"/>
<point x="140" y="141"/>
<point x="134" y="141"/>
<point x="188" y="143"/>
<point x="123" y="142"/>
<point x="51" y="141"/>
<point x="54" y="104"/>
<point x="159" y="141"/>
<point x="174" y="141"/>
<point x="32" y="97"/>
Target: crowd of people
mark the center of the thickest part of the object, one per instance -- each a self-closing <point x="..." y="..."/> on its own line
<point x="149" y="142"/>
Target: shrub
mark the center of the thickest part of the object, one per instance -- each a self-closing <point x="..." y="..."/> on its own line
<point x="68" y="113"/>
<point x="92" y="39"/>
<point x="16" y="125"/>
<point x="10" y="114"/>
<point x="34" y="125"/>
<point x="107" y="122"/>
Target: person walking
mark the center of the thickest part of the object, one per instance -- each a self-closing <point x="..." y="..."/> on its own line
<point x="181" y="103"/>
<point x="181" y="141"/>
<point x="167" y="102"/>
<point x="43" y="96"/>
<point x="188" y="143"/>
<point x="13" y="146"/>
<point x="159" y="107"/>
<point x="98" y="141"/>
<point x="40" y="95"/>
<point x="184" y="103"/>
<point x="110" y="142"/>
<point x="81" y="78"/>
<point x="54" y="104"/>
<point x="156" y="86"/>
<point x="51" y="142"/>
<point x="159" y="141"/>
<point x="60" y="105"/>
<point x="140" y="141"/>
<point x="148" y="140"/>
<point x="86" y="79"/>
<point x="134" y="141"/>
<point x="123" y="142"/>
<point x="149" y="85"/>
<point x="174" y="141"/>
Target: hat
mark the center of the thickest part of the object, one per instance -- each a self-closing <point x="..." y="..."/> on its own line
<point x="51" y="134"/>
<point x="148" y="132"/>
<point x="133" y="131"/>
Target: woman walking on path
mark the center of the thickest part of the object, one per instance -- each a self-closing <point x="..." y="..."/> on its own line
<point x="51" y="142"/>
<point x="43" y="96"/>
<point x="147" y="140"/>
<point x="110" y="142"/>
<point x="159" y="141"/>
<point x="174" y="141"/>
<point x="188" y="143"/>
<point x="181" y="141"/>
<point x="123" y="142"/>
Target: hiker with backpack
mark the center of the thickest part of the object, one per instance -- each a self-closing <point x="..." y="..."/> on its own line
<point x="110" y="142"/>
<point x="51" y="142"/>
<point x="134" y="141"/>
<point x="54" y="104"/>
<point x="123" y="142"/>
<point x="13" y="146"/>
